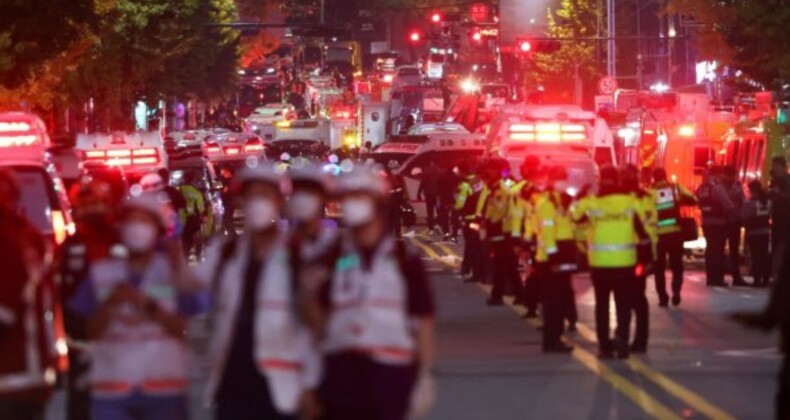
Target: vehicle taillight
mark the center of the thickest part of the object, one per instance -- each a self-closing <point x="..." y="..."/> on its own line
<point x="213" y="149"/>
<point x="253" y="145"/>
<point x="94" y="154"/>
<point x="59" y="226"/>
<point x="233" y="150"/>
<point x="119" y="153"/>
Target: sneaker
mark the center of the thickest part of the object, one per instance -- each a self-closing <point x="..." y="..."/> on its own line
<point x="675" y="300"/>
<point x="621" y="348"/>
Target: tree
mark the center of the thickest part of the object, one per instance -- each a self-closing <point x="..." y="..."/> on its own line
<point x="750" y="36"/>
<point x="556" y="70"/>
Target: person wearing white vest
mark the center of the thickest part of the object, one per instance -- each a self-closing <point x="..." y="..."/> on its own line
<point x="311" y="232"/>
<point x="136" y="319"/>
<point x="375" y="312"/>
<point x="263" y="361"/>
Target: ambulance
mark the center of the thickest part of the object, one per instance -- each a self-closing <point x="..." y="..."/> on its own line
<point x="308" y="138"/>
<point x="563" y="135"/>
<point x="138" y="153"/>
<point x="261" y="122"/>
<point x="23" y="150"/>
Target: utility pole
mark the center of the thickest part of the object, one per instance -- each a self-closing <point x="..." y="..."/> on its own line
<point x="611" y="50"/>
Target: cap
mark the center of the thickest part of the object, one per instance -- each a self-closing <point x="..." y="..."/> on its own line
<point x="362" y="179"/>
<point x="263" y="172"/>
<point x="155" y="204"/>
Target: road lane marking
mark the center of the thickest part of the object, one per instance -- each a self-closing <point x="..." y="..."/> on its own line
<point x="632" y="391"/>
<point x="433" y="254"/>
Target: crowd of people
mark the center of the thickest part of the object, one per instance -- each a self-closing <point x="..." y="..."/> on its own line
<point x="298" y="327"/>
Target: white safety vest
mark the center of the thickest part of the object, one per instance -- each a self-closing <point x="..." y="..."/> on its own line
<point x="134" y="352"/>
<point x="284" y="350"/>
<point x="369" y="307"/>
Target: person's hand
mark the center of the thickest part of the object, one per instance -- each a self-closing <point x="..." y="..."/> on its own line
<point x="309" y="407"/>
<point x="423" y="396"/>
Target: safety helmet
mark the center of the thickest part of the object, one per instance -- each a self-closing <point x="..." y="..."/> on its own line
<point x="363" y="179"/>
<point x="285" y="157"/>
<point x="152" y="182"/>
<point x="156" y="204"/>
<point x="262" y="172"/>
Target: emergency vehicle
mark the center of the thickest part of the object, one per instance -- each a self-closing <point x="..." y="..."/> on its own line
<point x="556" y="134"/>
<point x="230" y="147"/>
<point x="261" y="122"/>
<point x="440" y="127"/>
<point x="23" y="150"/>
<point x="308" y="138"/>
<point x="137" y="153"/>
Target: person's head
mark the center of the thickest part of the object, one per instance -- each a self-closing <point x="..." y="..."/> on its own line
<point x="260" y="189"/>
<point x="730" y="174"/>
<point x="629" y="177"/>
<point x="91" y="205"/>
<point x="529" y="167"/>
<point x="610" y="178"/>
<point x="363" y="196"/>
<point x="659" y="175"/>
<point x="778" y="167"/>
<point x="309" y="191"/>
<point x="716" y="173"/>
<point x="756" y="190"/>
<point x="9" y="190"/>
<point x="143" y="222"/>
<point x="152" y="182"/>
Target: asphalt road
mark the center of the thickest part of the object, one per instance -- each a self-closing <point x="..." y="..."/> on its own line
<point x="699" y="364"/>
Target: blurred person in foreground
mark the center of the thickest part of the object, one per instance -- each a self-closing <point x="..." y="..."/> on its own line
<point x="374" y="309"/>
<point x="311" y="233"/>
<point x="27" y="370"/>
<point x="779" y="193"/>
<point x="136" y="311"/>
<point x="263" y="362"/>
<point x="95" y="239"/>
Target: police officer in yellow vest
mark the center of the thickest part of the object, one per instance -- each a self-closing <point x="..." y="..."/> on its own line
<point x="466" y="197"/>
<point x="646" y="252"/>
<point x="612" y="215"/>
<point x="669" y="197"/>
<point x="521" y="226"/>
<point x="555" y="257"/>
<point x="195" y="210"/>
<point x="494" y="219"/>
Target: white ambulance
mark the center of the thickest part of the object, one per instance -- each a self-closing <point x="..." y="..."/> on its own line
<point x="137" y="153"/>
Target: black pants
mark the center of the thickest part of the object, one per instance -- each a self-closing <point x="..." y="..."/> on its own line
<point x="554" y="301"/>
<point x="569" y="297"/>
<point x="499" y="270"/>
<point x="190" y="233"/>
<point x="641" y="313"/>
<point x="443" y="216"/>
<point x="532" y="286"/>
<point x="455" y="223"/>
<point x="759" y="249"/>
<point x="243" y="406"/>
<point x="669" y="247"/>
<point x="783" y="394"/>
<point x="21" y="410"/>
<point x="734" y="249"/>
<point x="471" y="250"/>
<point x="716" y="239"/>
<point x="431" y="210"/>
<point x="78" y="395"/>
<point x="355" y="387"/>
<point x="620" y="282"/>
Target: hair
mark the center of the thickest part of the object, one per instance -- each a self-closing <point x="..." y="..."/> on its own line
<point x="610" y="179"/>
<point x="659" y="174"/>
<point x="730" y="170"/>
<point x="757" y="191"/>
<point x="716" y="170"/>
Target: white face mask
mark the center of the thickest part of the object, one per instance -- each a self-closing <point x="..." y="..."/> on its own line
<point x="358" y="211"/>
<point x="260" y="213"/>
<point x="139" y="236"/>
<point x="304" y="206"/>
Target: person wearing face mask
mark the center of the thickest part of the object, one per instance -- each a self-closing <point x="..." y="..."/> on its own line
<point x="94" y="239"/>
<point x="136" y="316"/>
<point x="375" y="312"/>
<point x="305" y="209"/>
<point x="264" y="363"/>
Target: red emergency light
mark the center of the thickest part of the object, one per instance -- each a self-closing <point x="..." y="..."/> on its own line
<point x="547" y="132"/>
<point x="687" y="131"/>
<point x="436" y="17"/>
<point x="525" y="46"/>
<point x="477" y="36"/>
<point x="253" y="145"/>
<point x="415" y="36"/>
<point x="17" y="133"/>
<point x="124" y="157"/>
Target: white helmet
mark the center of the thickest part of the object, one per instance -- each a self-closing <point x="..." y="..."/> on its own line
<point x="285" y="157"/>
<point x="262" y="172"/>
<point x="363" y="179"/>
<point x="309" y="173"/>
<point x="152" y="182"/>
<point x="156" y="204"/>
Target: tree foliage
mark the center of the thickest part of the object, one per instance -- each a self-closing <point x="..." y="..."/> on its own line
<point x="556" y="70"/>
<point x="747" y="35"/>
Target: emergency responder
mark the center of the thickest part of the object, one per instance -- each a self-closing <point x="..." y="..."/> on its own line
<point x="306" y="208"/>
<point x="177" y="201"/>
<point x="735" y="192"/>
<point x="780" y="207"/>
<point x="612" y="216"/>
<point x="228" y="202"/>
<point x="756" y="217"/>
<point x="646" y="255"/>
<point x="175" y="207"/>
<point x="94" y="239"/>
<point x="378" y="335"/>
<point x="195" y="212"/>
<point x="27" y="373"/>
<point x="669" y="198"/>
<point x="555" y="257"/>
<point x="715" y="205"/>
<point x="466" y="197"/>
<point x="521" y="226"/>
<point x="503" y="261"/>
<point x="264" y="365"/>
<point x="136" y="316"/>
<point x="448" y="183"/>
<point x="429" y="189"/>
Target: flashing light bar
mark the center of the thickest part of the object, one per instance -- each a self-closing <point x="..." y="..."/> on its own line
<point x="547" y="132"/>
<point x="687" y="131"/>
<point x="15" y="127"/>
<point x="23" y="140"/>
<point x="213" y="149"/>
<point x="124" y="157"/>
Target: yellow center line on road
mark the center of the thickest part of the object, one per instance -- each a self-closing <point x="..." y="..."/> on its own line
<point x="447" y="250"/>
<point x="631" y="390"/>
<point x="433" y="254"/>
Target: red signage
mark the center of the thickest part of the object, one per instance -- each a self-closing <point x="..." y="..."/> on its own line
<point x="479" y="12"/>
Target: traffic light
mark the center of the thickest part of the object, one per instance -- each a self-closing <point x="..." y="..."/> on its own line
<point x="530" y="45"/>
<point x="477" y="36"/>
<point x="525" y="46"/>
<point x="415" y="37"/>
<point x="436" y="17"/>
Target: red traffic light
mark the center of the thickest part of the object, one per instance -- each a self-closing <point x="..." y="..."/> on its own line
<point x="525" y="46"/>
<point x="415" y="36"/>
<point x="477" y="36"/>
<point x="436" y="17"/>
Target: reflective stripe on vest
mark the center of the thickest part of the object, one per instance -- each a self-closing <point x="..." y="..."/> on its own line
<point x="612" y="248"/>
